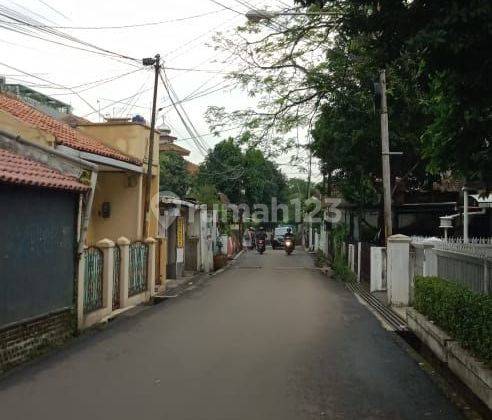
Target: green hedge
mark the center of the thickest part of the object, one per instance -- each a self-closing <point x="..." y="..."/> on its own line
<point x="464" y="315"/>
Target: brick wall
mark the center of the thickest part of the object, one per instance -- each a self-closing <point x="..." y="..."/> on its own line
<point x="22" y="342"/>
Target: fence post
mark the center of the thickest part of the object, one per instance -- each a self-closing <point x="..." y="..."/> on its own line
<point x="398" y="270"/>
<point x="351" y="257"/>
<point x="80" y="290"/>
<point x="124" y="245"/>
<point x="430" y="257"/>
<point x="150" y="242"/>
<point x="377" y="268"/>
<point x="486" y="274"/>
<point x="359" y="251"/>
<point x="106" y="247"/>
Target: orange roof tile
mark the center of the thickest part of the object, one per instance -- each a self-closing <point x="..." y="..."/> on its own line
<point x="64" y="134"/>
<point x="16" y="169"/>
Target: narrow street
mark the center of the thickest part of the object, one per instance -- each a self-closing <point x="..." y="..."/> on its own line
<point x="269" y="338"/>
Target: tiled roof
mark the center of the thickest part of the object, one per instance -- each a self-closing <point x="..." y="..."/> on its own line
<point x="16" y="169"/>
<point x="64" y="134"/>
<point x="174" y="148"/>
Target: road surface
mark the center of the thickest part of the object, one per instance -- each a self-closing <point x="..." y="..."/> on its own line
<point x="269" y="338"/>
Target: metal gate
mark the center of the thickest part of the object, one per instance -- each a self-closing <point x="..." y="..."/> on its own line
<point x="138" y="268"/>
<point x="365" y="262"/>
<point x="37" y="252"/>
<point x="93" y="279"/>
<point x="116" y="277"/>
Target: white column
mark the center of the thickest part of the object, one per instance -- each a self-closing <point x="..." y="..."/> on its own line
<point x="398" y="270"/>
<point x="359" y="250"/>
<point x="430" y="257"/>
<point x="377" y="267"/>
<point x="151" y="242"/>
<point x="80" y="290"/>
<point x="124" y="245"/>
<point x="351" y="257"/>
<point x="107" y="248"/>
<point x="465" y="215"/>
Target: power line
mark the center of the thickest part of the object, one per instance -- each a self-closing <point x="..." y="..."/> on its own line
<point x="48" y="81"/>
<point x="29" y="22"/>
<point x="129" y="26"/>
<point x="226" y="7"/>
<point x="190" y="128"/>
<point x="54" y="10"/>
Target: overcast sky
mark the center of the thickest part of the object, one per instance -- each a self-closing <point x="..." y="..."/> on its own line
<point x="181" y="43"/>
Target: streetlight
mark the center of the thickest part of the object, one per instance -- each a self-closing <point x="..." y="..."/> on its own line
<point x="256" y="16"/>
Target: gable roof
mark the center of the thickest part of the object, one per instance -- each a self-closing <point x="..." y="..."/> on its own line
<point x="19" y="170"/>
<point x="173" y="148"/>
<point x="63" y="133"/>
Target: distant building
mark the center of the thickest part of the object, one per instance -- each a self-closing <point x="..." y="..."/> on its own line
<point x="38" y="100"/>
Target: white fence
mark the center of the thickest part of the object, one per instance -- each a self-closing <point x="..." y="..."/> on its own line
<point x="468" y="264"/>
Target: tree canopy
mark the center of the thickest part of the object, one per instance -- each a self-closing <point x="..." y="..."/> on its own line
<point x="173" y="176"/>
<point x="245" y="177"/>
<point x="318" y="71"/>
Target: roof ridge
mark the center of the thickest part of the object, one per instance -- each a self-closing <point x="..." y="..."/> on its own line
<point x="63" y="132"/>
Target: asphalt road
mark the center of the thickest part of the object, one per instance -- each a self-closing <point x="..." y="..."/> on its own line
<point x="269" y="338"/>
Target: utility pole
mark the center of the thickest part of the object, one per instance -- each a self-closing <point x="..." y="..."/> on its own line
<point x="388" y="221"/>
<point x="148" y="183"/>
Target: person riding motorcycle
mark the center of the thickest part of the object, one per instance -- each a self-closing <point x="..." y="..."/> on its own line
<point x="261" y="234"/>
<point x="289" y="241"/>
<point x="261" y="240"/>
<point x="289" y="234"/>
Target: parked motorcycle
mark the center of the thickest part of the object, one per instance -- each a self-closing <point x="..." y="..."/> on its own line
<point x="260" y="246"/>
<point x="289" y="245"/>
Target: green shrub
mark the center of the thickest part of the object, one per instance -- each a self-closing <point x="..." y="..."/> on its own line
<point x="320" y="259"/>
<point x="464" y="315"/>
<point x="341" y="270"/>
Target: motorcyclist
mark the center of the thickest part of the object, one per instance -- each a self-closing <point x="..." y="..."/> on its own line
<point x="289" y="235"/>
<point x="261" y="234"/>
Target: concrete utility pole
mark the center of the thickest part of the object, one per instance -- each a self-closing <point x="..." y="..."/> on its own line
<point x="388" y="221"/>
<point x="148" y="190"/>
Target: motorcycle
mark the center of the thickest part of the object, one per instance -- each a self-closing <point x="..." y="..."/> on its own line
<point x="289" y="245"/>
<point x="260" y="246"/>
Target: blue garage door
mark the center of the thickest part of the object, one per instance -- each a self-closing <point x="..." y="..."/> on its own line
<point x="37" y="252"/>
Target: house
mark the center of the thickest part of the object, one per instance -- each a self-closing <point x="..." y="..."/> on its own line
<point x="114" y="228"/>
<point x="41" y="213"/>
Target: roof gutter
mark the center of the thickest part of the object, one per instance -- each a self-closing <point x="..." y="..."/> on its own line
<point x="42" y="154"/>
<point x="101" y="160"/>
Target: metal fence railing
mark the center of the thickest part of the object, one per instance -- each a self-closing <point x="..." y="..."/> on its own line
<point x="116" y="277"/>
<point x="93" y="279"/>
<point x="139" y="253"/>
<point x="471" y="271"/>
<point x="468" y="264"/>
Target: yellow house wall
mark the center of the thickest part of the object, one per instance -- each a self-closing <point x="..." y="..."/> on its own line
<point x="128" y="138"/>
<point x="28" y="132"/>
<point x="132" y="139"/>
<point x="124" y="192"/>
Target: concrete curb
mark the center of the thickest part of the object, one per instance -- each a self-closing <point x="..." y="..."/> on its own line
<point x="474" y="373"/>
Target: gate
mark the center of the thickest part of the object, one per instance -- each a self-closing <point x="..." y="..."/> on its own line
<point x="37" y="252"/>
<point x="365" y="262"/>
<point x="93" y="279"/>
<point x="116" y="277"/>
<point x="138" y="268"/>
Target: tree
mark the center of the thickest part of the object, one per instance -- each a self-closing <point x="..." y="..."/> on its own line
<point x="245" y="177"/>
<point x="223" y="168"/>
<point x="173" y="176"/>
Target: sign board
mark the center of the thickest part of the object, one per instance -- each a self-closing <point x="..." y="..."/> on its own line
<point x="180" y="226"/>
